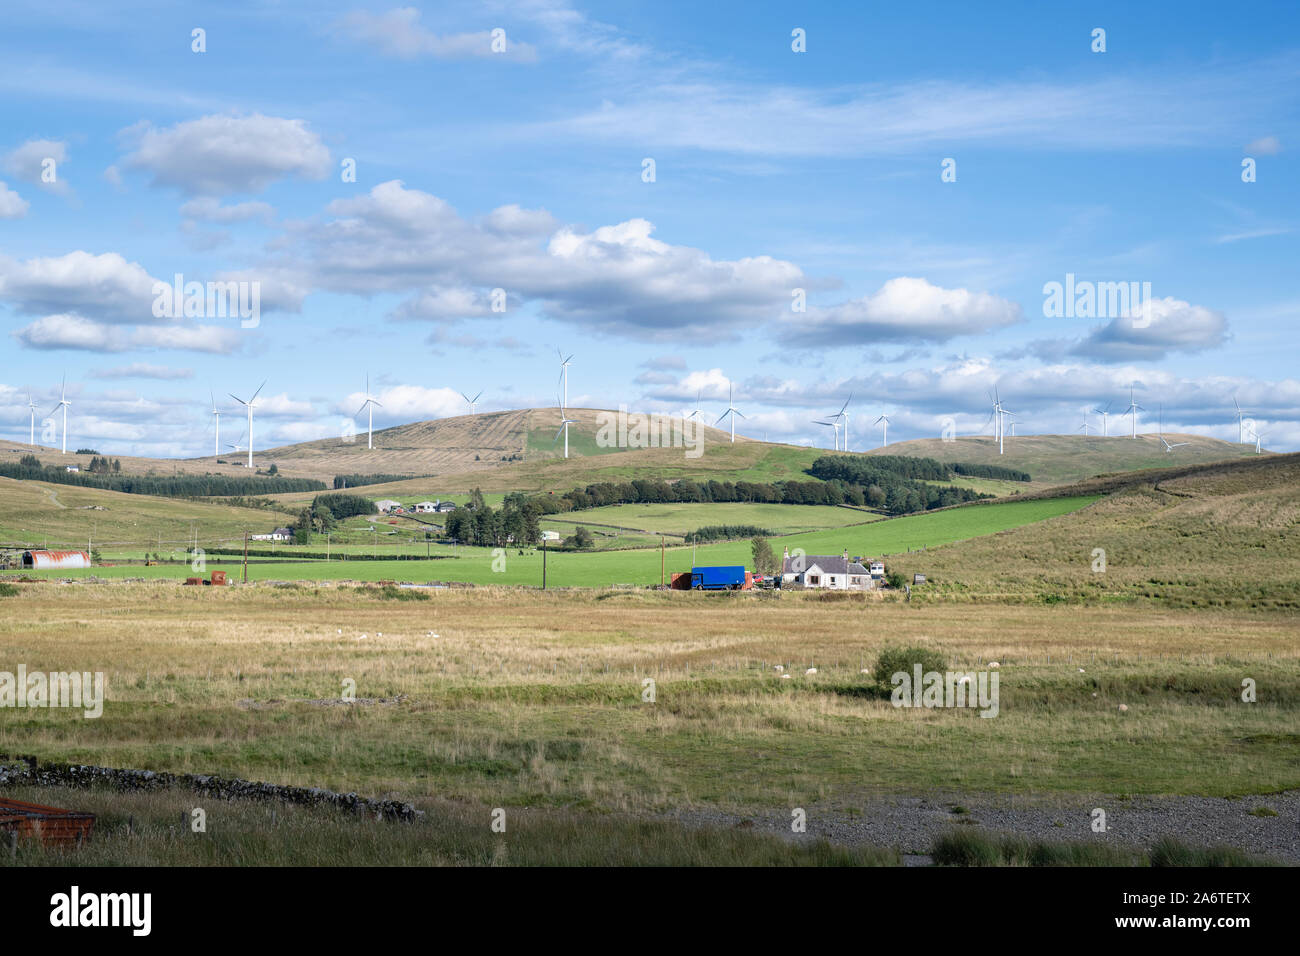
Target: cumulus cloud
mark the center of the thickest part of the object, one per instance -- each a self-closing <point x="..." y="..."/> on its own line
<point x="407" y="403"/>
<point x="616" y="279"/>
<point x="905" y="310"/>
<point x="68" y="331"/>
<point x="399" y="33"/>
<point x="220" y="154"/>
<point x="1167" y="325"/>
<point x="12" y="205"/>
<point x="106" y="286"/>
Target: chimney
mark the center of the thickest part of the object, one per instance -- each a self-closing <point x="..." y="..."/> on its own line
<point x="787" y="552"/>
<point x="846" y="554"/>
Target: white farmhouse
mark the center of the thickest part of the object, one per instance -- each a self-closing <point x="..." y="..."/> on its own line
<point x="832" y="572"/>
<point x="387" y="505"/>
<point x="426" y="506"/>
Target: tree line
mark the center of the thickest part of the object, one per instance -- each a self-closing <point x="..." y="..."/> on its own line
<point x="29" y="468"/>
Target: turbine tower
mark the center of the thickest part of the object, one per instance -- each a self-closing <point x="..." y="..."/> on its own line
<point x="471" y="402"/>
<point x="63" y="403"/>
<point x="565" y="422"/>
<point x="1133" y="410"/>
<point x="1085" y="426"/>
<point x="1103" y="412"/>
<point x="1240" y="413"/>
<point x="249" y="431"/>
<point x="370" y="404"/>
<point x="216" y="417"/>
<point x="830" y="424"/>
<point x="883" y="421"/>
<point x="32" y="405"/>
<point x="733" y="411"/>
<point x="843" y="414"/>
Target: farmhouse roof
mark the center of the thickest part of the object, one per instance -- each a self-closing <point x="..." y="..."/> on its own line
<point x="830" y="563"/>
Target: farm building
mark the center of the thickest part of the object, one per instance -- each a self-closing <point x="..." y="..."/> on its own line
<point x="423" y="507"/>
<point x="73" y="468"/>
<point x="877" y="568"/>
<point x="279" y="534"/>
<point x="443" y="506"/>
<point x="56" y="559"/>
<point x="387" y="504"/>
<point x="835" y="572"/>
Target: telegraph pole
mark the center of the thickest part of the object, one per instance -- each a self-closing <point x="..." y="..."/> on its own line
<point x="661" y="561"/>
<point x="543" y="560"/>
<point x="245" y="557"/>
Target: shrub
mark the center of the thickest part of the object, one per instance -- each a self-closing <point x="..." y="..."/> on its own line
<point x="895" y="659"/>
<point x="8" y="590"/>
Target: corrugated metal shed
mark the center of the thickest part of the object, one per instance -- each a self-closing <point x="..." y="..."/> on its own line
<point x="56" y="559"/>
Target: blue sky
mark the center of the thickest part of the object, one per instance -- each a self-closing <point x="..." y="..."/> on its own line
<point x="522" y="171"/>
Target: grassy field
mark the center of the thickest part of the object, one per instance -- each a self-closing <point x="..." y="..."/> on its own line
<point x="514" y="698"/>
<point x="602" y="569"/>
<point x="1218" y="538"/>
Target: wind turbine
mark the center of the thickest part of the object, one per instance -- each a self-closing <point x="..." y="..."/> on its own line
<point x="370" y="404"/>
<point x="733" y="411"/>
<point x="216" y="418"/>
<point x="830" y="424"/>
<point x="565" y="422"/>
<point x="1013" y="423"/>
<point x="1002" y="426"/>
<point x="471" y="402"/>
<point x="884" y="436"/>
<point x="1103" y="412"/>
<point x="1160" y="432"/>
<point x="843" y="413"/>
<point x="697" y="405"/>
<point x="236" y="445"/>
<point x="1240" y="413"/>
<point x="1085" y="426"/>
<point x="63" y="403"/>
<point x="1133" y="410"/>
<point x="249" y="431"/>
<point x="1258" y="439"/>
<point x="564" y="378"/>
<point x="32" y="405"/>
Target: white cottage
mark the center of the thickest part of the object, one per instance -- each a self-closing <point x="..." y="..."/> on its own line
<point x="832" y="572"/>
<point x="387" y="505"/>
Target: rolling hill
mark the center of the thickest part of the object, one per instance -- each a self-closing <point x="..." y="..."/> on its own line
<point x="1059" y="459"/>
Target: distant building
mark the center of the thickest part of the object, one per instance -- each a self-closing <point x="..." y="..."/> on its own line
<point x="877" y="568"/>
<point x="279" y="534"/>
<point x="443" y="506"/>
<point x="832" y="572"/>
<point x="387" y="505"/>
<point x="73" y="468"/>
<point x="56" y="559"/>
<point x="424" y="507"/>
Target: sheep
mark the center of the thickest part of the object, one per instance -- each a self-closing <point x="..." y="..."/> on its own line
<point x="994" y="665"/>
<point x="809" y="672"/>
<point x="778" y="668"/>
<point x="1123" y="708"/>
<point x="785" y="676"/>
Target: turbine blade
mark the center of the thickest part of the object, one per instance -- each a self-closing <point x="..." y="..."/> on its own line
<point x="259" y="389"/>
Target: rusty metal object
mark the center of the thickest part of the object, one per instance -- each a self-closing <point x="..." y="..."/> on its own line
<point x="54" y="827"/>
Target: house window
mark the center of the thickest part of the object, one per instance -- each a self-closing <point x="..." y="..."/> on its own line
<point x="832" y="579"/>
<point x="814" y="579"/>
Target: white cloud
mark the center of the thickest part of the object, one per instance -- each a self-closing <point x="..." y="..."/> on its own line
<point x="105" y="286"/>
<point x="73" y="332"/>
<point x="1171" y="325"/>
<point x="12" y="205"/>
<point x="904" y="310"/>
<point x="29" y="161"/>
<point x="399" y="33"/>
<point x="1264" y="146"/>
<point x="208" y="209"/>
<point x="221" y="154"/>
<point x="407" y="403"/>
<point x="614" y="279"/>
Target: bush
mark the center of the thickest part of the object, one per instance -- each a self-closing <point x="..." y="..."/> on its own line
<point x="8" y="590"/>
<point x="892" y="660"/>
<point x="1169" y="852"/>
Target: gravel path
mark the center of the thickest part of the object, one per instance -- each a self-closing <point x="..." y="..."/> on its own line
<point x="910" y="823"/>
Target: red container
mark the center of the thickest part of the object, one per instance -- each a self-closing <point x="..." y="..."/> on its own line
<point x="218" y="577"/>
<point x="55" y="827"/>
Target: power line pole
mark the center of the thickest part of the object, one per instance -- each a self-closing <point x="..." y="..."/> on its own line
<point x="543" y="561"/>
<point x="245" y="557"/>
<point x="661" y="561"/>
